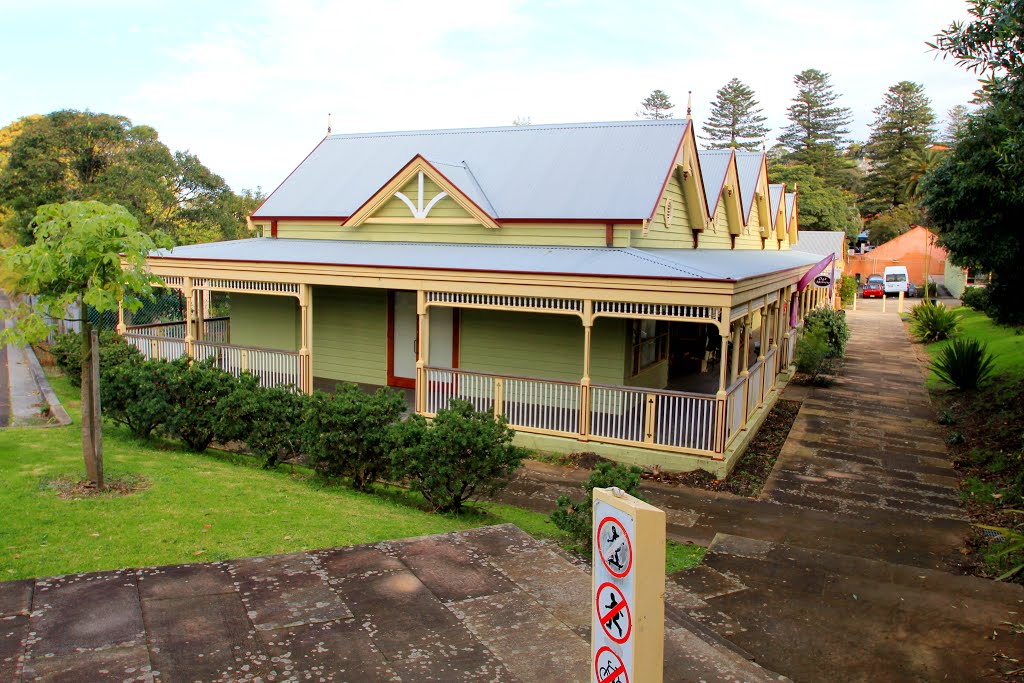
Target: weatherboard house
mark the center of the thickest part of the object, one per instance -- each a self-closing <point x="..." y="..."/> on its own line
<point x="605" y="287"/>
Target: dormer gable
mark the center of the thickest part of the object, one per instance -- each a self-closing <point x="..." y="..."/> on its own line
<point x="421" y="187"/>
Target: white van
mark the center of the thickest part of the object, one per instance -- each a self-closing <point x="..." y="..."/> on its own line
<point x="896" y="279"/>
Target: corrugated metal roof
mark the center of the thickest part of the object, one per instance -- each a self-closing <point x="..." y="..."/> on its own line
<point x="684" y="264"/>
<point x="748" y="168"/>
<point x="790" y="203"/>
<point x="822" y="242"/>
<point x="774" y="199"/>
<point x="714" y="165"/>
<point x="569" y="171"/>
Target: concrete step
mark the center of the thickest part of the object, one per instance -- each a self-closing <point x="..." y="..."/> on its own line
<point x="815" y="615"/>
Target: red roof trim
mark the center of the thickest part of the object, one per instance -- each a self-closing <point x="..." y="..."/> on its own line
<point x="671" y="167"/>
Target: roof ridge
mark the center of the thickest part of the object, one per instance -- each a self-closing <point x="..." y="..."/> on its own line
<point x="497" y="129"/>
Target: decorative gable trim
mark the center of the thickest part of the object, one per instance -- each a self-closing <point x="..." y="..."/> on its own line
<point x="420" y="210"/>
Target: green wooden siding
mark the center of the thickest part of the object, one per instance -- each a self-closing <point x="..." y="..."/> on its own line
<point x="552" y="234"/>
<point x="540" y="345"/>
<point x="676" y="235"/>
<point x="350" y="334"/>
<point x="270" y="322"/>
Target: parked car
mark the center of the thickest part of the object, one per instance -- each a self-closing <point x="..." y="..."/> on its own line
<point x="875" y="277"/>
<point x="873" y="289"/>
<point x="911" y="290"/>
<point x="896" y="280"/>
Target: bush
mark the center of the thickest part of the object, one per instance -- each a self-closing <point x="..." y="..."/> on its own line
<point x="269" y="421"/>
<point x="813" y="354"/>
<point x="196" y="398"/>
<point x="965" y="364"/>
<point x="847" y="289"/>
<point x="933" y="322"/>
<point x="459" y="455"/>
<point x="347" y="434"/>
<point x="975" y="298"/>
<point x="67" y="353"/>
<point x="576" y="516"/>
<point x="833" y="322"/>
<point x="137" y="393"/>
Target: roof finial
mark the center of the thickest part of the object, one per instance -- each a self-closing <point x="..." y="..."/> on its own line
<point x="689" y="104"/>
<point x="328" y="123"/>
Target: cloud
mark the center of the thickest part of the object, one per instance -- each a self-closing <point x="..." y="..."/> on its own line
<point x="251" y="97"/>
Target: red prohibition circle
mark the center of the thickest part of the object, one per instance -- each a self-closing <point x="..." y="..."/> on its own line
<point x="624" y="607"/>
<point x="620" y="669"/>
<point x="629" y="544"/>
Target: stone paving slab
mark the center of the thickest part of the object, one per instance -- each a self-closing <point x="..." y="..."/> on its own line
<point x="489" y="604"/>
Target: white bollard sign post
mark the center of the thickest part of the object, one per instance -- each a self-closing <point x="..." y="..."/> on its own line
<point x="628" y="605"/>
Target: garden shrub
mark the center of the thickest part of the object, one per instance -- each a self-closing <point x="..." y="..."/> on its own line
<point x="833" y="322"/>
<point x="965" y="364"/>
<point x="67" y="353"/>
<point x="196" y="396"/>
<point x="847" y="289"/>
<point x="975" y="298"/>
<point x="933" y="322"/>
<point x="576" y="516"/>
<point x="813" y="354"/>
<point x="269" y="421"/>
<point x="461" y="454"/>
<point x="348" y="433"/>
<point x="137" y="393"/>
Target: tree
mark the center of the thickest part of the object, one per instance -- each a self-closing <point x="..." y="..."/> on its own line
<point x="956" y="124"/>
<point x="75" y="156"/>
<point x="902" y="128"/>
<point x="656" y="106"/>
<point x="85" y="253"/>
<point x="976" y="195"/>
<point x="816" y="121"/>
<point x="892" y="223"/>
<point x="521" y="121"/>
<point x="735" y="119"/>
<point x="822" y="207"/>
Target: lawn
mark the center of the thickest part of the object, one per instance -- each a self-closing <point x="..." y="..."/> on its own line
<point x="1004" y="343"/>
<point x="198" y="508"/>
<point x="192" y="508"/>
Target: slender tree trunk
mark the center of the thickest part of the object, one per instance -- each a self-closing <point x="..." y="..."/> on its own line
<point x="97" y="414"/>
<point x="88" y="451"/>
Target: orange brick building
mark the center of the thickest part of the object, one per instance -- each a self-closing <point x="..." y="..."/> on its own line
<point x="913" y="249"/>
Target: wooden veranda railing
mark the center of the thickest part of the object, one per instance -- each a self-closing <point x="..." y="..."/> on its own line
<point x="699" y="424"/>
<point x="214" y="329"/>
<point x="272" y="367"/>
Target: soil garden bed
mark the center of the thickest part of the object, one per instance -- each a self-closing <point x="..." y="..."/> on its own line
<point x="750" y="473"/>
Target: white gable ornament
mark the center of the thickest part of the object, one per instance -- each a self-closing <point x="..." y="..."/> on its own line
<point x="420" y="211"/>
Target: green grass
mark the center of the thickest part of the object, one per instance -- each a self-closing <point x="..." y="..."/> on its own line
<point x="679" y="556"/>
<point x="1004" y="343"/>
<point x="195" y="508"/>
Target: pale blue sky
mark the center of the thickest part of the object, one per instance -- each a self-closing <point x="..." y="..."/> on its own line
<point x="247" y="85"/>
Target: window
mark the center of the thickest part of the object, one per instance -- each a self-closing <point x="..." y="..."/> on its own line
<point x="650" y="343"/>
<point x="895" y="277"/>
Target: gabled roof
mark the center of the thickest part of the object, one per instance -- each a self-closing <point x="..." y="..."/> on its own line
<point x="775" y="200"/>
<point x="630" y="262"/>
<point x="822" y="243"/>
<point x="599" y="171"/>
<point x="714" y="167"/>
<point x="748" y="169"/>
<point x="790" y="204"/>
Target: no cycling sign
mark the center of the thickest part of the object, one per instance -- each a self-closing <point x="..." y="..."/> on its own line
<point x="627" y="633"/>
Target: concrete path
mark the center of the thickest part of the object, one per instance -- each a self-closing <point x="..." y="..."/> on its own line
<point x="26" y="398"/>
<point x="844" y="569"/>
<point x="490" y="604"/>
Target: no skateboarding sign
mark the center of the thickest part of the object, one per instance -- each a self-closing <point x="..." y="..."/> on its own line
<point x="627" y="636"/>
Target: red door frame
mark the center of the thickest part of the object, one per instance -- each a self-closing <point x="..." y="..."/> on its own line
<point x="407" y="382"/>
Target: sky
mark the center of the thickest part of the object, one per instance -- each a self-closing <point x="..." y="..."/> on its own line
<point x="247" y="86"/>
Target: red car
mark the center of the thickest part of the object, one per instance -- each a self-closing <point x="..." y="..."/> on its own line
<point x="873" y="290"/>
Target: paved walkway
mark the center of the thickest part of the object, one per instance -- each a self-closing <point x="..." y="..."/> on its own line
<point x="844" y="568"/>
<point x="490" y="604"/>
